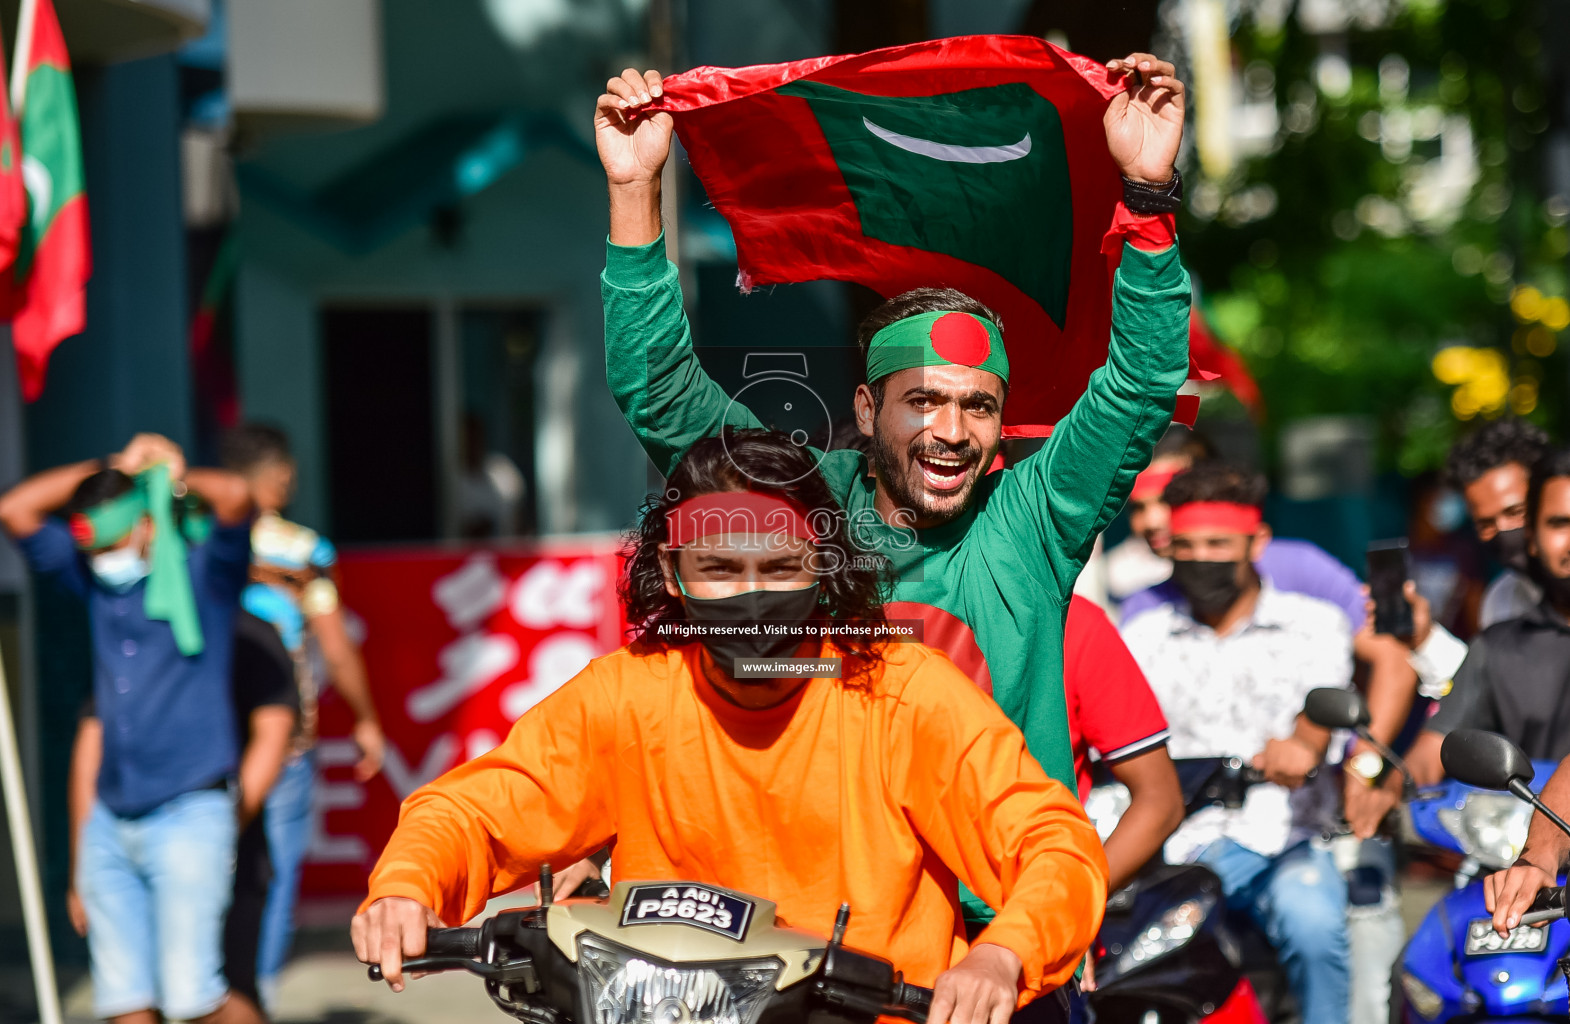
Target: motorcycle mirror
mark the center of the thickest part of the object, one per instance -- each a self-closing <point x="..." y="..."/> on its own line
<point x="1484" y="759"/>
<point x="1332" y="708"/>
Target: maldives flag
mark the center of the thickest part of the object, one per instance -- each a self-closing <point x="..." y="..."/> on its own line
<point x="13" y="194"/>
<point x="46" y="298"/>
<point x="978" y="163"/>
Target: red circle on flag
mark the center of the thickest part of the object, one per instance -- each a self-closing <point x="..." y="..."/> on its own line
<point x="960" y="338"/>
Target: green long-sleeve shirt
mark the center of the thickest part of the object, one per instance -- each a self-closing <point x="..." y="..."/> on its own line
<point x="1006" y="567"/>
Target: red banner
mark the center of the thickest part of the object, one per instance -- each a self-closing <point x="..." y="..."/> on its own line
<point x="458" y="643"/>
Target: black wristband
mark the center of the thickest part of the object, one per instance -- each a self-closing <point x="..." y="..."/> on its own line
<point x="1151" y="199"/>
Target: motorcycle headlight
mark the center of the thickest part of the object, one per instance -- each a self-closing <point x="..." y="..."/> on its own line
<point x="1423" y="999"/>
<point x="624" y="987"/>
<point x="1489" y="826"/>
<point x="1172" y="931"/>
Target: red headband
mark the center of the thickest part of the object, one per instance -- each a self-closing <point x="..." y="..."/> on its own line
<point x="1152" y="482"/>
<point x="1216" y="515"/>
<point x="735" y="512"/>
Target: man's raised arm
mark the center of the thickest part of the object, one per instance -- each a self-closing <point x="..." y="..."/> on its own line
<point x="1070" y="490"/>
<point x="654" y="374"/>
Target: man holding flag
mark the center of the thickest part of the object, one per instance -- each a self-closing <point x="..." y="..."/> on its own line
<point x="986" y="561"/>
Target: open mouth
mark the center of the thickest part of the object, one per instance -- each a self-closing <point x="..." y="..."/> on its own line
<point x="943" y="474"/>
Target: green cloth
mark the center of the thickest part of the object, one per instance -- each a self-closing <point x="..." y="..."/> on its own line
<point x="1007" y="566"/>
<point x="909" y="343"/>
<point x="169" y="596"/>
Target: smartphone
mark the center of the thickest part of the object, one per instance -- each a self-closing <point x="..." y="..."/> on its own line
<point x="1388" y="570"/>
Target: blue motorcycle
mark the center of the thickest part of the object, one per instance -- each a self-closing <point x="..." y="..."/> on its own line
<point x="1455" y="967"/>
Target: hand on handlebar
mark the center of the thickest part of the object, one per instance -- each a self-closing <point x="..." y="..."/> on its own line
<point x="983" y="988"/>
<point x="390" y="931"/>
<point x="1508" y="894"/>
<point x="1286" y="762"/>
<point x="1366" y="806"/>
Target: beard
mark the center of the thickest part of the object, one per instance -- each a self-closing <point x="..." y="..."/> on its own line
<point x="902" y="477"/>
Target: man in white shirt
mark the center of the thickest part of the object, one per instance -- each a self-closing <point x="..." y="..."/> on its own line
<point x="1231" y="660"/>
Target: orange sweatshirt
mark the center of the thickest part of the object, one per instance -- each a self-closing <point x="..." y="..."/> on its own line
<point x="880" y="796"/>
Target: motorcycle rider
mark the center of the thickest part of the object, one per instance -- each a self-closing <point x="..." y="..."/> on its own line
<point x="1546" y="854"/>
<point x="881" y="788"/>
<point x="1231" y="659"/>
<point x="1513" y="679"/>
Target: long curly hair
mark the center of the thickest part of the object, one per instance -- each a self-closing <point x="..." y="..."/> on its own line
<point x="854" y="582"/>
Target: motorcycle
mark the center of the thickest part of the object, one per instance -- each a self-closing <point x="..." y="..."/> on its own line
<point x="668" y="953"/>
<point x="1455" y="966"/>
<point x="1167" y="952"/>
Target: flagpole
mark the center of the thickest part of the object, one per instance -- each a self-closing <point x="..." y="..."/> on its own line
<point x="27" y="879"/>
<point x="24" y="47"/>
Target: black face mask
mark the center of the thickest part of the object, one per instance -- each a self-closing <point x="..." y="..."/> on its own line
<point x="1508" y="548"/>
<point x="1210" y="587"/>
<point x="773" y="607"/>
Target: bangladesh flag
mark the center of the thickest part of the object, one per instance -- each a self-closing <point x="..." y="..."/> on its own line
<point x="978" y="163"/>
<point x="46" y="298"/>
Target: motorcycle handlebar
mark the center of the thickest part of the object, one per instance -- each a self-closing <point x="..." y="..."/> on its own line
<point x="464" y="942"/>
<point x="914" y="997"/>
<point x="1548" y="906"/>
<point x="446" y="949"/>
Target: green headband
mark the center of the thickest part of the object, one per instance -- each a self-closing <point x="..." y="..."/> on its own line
<point x="169" y="597"/>
<point x="107" y="524"/>
<point x="937" y="339"/>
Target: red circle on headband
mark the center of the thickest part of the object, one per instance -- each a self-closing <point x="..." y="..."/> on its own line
<point x="960" y="338"/>
<point x="81" y="530"/>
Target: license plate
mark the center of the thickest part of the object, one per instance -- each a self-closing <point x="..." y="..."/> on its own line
<point x="698" y="906"/>
<point x="1482" y="940"/>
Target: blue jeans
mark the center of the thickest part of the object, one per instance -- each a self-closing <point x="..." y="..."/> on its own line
<point x="1299" y="899"/>
<point x="288" y="823"/>
<point x="156" y="888"/>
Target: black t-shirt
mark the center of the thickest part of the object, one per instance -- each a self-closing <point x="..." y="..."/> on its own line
<point x="263" y="670"/>
<point x="1515" y="681"/>
<point x="262" y="674"/>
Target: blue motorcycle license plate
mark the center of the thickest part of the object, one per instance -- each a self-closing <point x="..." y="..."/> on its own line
<point x="1482" y="940"/>
<point x="699" y="906"/>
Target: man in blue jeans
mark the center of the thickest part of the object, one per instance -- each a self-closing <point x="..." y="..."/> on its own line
<point x="1231" y="659"/>
<point x="162" y="582"/>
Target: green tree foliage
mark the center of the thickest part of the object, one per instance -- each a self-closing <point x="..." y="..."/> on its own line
<point x="1393" y="216"/>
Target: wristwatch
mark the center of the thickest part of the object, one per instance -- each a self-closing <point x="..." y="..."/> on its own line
<point x="1368" y="766"/>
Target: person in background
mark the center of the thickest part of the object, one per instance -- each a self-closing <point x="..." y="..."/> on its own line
<point x="1491" y="467"/>
<point x="1445" y="565"/>
<point x="291" y="586"/>
<point x="1300" y="567"/>
<point x="1141" y="561"/>
<point x="1231" y="659"/>
<point x="1515" y="679"/>
<point x="266" y="705"/>
<point x="162" y="586"/>
<point x="1369" y="790"/>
